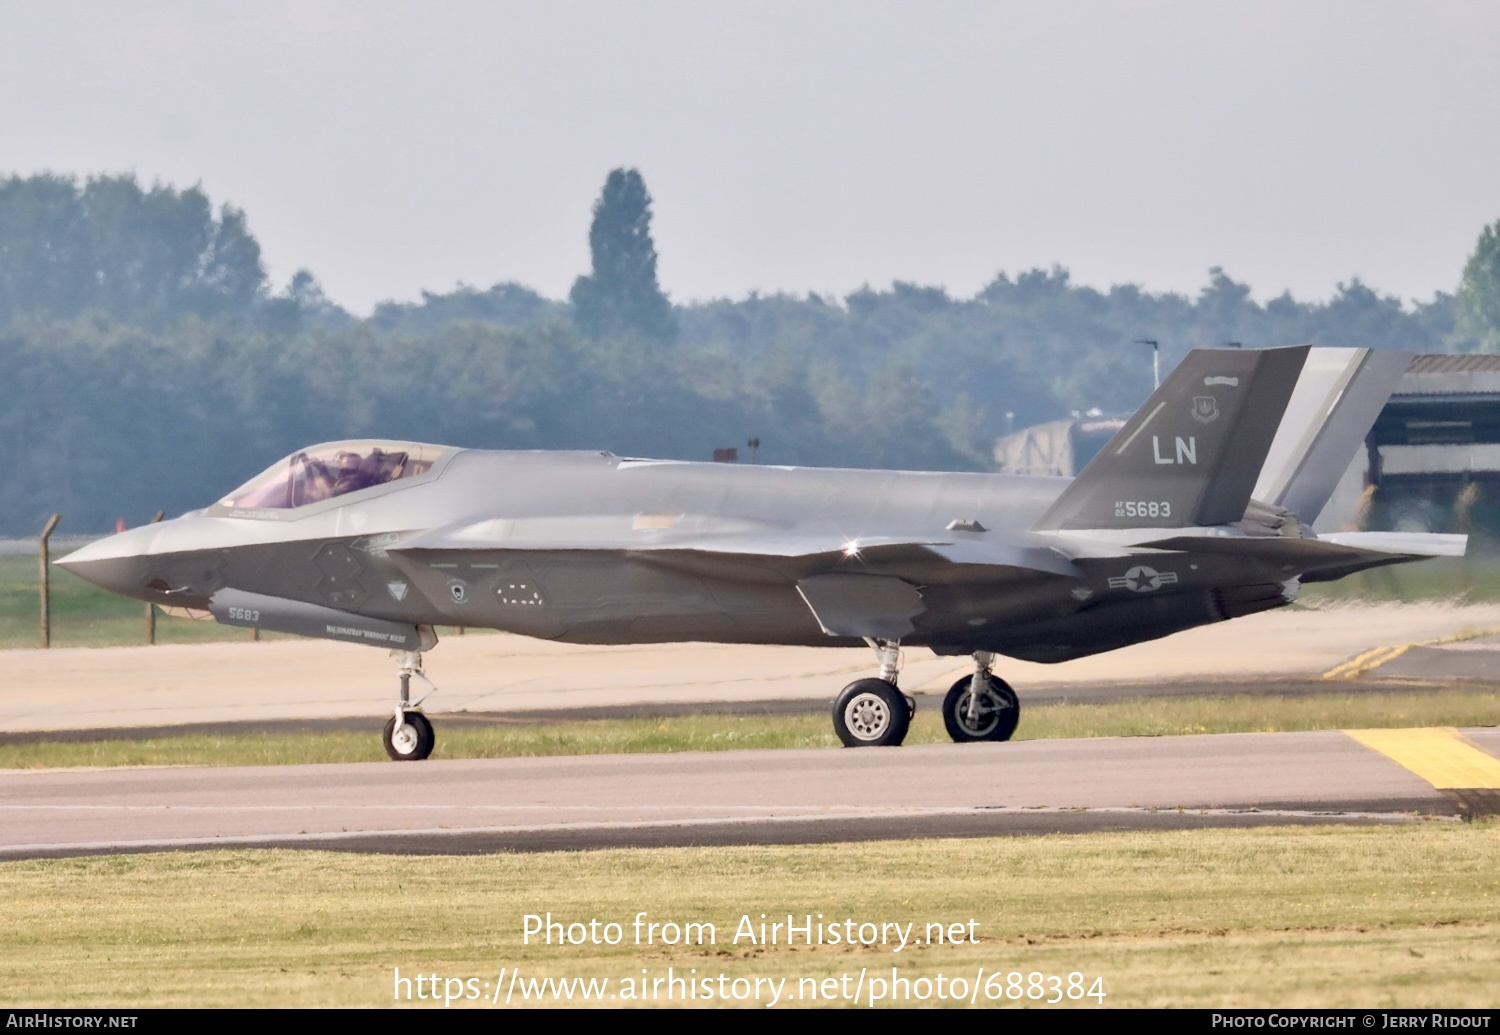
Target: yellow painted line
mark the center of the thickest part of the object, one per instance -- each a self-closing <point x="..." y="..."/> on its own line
<point x="1440" y="755"/>
<point x="1378" y="656"/>
<point x="1366" y="661"/>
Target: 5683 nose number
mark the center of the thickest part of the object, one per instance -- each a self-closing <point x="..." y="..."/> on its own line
<point x="244" y="614"/>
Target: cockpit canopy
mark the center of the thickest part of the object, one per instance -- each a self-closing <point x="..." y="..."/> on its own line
<point x="335" y="469"/>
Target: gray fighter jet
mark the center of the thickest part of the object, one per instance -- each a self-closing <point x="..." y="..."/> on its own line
<point x="1199" y="510"/>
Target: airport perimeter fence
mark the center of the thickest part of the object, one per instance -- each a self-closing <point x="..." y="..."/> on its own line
<point x="84" y="620"/>
<point x="45" y="575"/>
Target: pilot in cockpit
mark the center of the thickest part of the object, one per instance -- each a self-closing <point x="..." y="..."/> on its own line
<point x="357" y="472"/>
<point x="319" y="474"/>
<point x="352" y="474"/>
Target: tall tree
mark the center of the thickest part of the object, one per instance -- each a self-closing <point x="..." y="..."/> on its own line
<point x="1478" y="301"/>
<point x="621" y="296"/>
<point x="145" y="257"/>
<point x="46" y="262"/>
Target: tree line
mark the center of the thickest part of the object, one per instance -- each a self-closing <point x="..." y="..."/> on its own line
<point x="148" y="364"/>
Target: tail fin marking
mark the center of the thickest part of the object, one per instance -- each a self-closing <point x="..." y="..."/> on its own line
<point x="1190" y="456"/>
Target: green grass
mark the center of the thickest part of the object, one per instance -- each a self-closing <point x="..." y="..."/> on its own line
<point x="1339" y="916"/>
<point x="1138" y="718"/>
<point x="83" y="615"/>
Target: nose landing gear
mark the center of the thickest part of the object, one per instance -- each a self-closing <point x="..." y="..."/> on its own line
<point x="408" y="734"/>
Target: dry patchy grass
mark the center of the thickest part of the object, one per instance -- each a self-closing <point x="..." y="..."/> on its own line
<point x="1343" y="916"/>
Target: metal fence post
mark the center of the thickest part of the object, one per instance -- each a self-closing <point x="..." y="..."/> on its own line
<point x="150" y="607"/>
<point x="44" y="557"/>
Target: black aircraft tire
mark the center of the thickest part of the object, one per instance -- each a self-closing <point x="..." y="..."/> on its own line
<point x="413" y="746"/>
<point x="871" y="713"/>
<point x="1000" y="711"/>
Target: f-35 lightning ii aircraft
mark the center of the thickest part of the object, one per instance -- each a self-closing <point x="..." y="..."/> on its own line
<point x="1198" y="511"/>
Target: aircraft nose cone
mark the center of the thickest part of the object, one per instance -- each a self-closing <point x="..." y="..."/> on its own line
<point x="117" y="563"/>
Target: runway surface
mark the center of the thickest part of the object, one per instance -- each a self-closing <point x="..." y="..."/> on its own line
<point x="750" y="797"/>
<point x="114" y="687"/>
<point x="1031" y="697"/>
<point x="737" y="797"/>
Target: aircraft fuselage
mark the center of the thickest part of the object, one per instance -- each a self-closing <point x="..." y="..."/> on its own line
<point x="564" y="546"/>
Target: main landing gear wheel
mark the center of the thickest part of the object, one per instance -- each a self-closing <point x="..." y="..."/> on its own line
<point x="993" y="717"/>
<point x="410" y="740"/>
<point x="871" y="713"/>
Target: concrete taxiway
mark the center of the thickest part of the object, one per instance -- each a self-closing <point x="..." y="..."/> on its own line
<point x="744" y="797"/>
<point x="111" y="687"/>
<point x="738" y="797"/>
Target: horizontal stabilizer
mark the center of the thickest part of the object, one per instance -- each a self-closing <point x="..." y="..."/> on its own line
<point x="1322" y="558"/>
<point x="1407" y="544"/>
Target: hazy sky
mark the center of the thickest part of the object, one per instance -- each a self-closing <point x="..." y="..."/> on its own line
<point x="391" y="147"/>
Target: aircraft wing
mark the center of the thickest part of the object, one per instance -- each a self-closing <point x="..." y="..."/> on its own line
<point x="862" y="587"/>
<point x="671" y="545"/>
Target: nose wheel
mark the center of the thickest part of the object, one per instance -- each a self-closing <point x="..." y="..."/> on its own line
<point x="408" y="734"/>
<point x="409" y="740"/>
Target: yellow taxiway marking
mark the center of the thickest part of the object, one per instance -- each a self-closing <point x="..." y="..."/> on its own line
<point x="1374" y="658"/>
<point x="1440" y="755"/>
<point x="1366" y="661"/>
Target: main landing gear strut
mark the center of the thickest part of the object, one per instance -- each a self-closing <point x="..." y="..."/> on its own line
<point x="408" y="733"/>
<point x="875" y="713"/>
<point x="981" y="706"/>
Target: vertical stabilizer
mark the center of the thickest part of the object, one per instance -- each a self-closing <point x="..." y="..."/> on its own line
<point x="1191" y="454"/>
<point x="1333" y="407"/>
